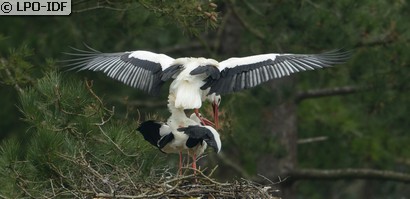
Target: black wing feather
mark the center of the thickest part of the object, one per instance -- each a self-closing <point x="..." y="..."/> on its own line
<point x="199" y="133"/>
<point x="168" y="73"/>
<point x="165" y="140"/>
<point x="138" y="73"/>
<point x="246" y="76"/>
<point x="210" y="70"/>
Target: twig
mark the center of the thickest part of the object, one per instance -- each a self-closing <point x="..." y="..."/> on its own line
<point x="209" y="179"/>
<point x="111" y="112"/>
<point x="267" y="179"/>
<point x="213" y="170"/>
<point x="52" y="187"/>
<point x="100" y="7"/>
<point x="105" y="195"/>
<point x="326" y="92"/>
<point x="222" y="28"/>
<point x="16" y="85"/>
<point x="244" y="23"/>
<point x="319" y="7"/>
<point x="58" y="95"/>
<point x="139" y="115"/>
<point x="310" y="140"/>
<point x="89" y="85"/>
<point x="4" y="197"/>
<point x="20" y="180"/>
<point x="115" y="144"/>
<point x="387" y="37"/>
<point x="403" y="161"/>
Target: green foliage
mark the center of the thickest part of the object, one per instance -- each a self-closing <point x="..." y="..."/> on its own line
<point x="193" y="16"/>
<point x="61" y="130"/>
<point x="70" y="129"/>
<point x="15" y="69"/>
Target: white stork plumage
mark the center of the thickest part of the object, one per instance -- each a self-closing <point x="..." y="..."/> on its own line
<point x="191" y="139"/>
<point x="196" y="78"/>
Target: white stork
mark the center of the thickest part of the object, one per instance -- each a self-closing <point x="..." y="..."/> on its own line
<point x="196" y="78"/>
<point x="192" y="139"/>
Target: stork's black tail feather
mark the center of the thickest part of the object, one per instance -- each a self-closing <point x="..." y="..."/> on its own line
<point x="150" y="130"/>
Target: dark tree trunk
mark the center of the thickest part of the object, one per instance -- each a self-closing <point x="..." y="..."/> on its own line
<point x="281" y="123"/>
<point x="280" y="116"/>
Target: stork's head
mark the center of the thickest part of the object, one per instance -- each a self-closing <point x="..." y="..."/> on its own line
<point x="215" y="100"/>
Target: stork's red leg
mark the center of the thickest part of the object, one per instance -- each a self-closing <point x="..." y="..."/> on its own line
<point x="194" y="162"/>
<point x="180" y="163"/>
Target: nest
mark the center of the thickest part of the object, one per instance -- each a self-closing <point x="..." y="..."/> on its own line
<point x="197" y="185"/>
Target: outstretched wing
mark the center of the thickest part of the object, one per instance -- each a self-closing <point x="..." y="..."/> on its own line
<point x="139" y="69"/>
<point x="247" y="72"/>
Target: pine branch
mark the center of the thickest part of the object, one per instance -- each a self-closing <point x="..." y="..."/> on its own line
<point x="403" y="161"/>
<point x="348" y="174"/>
<point x="388" y="37"/>
<point x="141" y="103"/>
<point x="313" y="139"/>
<point x="99" y="5"/>
<point x="327" y="92"/>
<point x="259" y="34"/>
<point x="182" y="48"/>
<point x="10" y="76"/>
<point x="376" y="42"/>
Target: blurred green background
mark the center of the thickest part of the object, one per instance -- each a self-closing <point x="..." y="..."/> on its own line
<point x="365" y="127"/>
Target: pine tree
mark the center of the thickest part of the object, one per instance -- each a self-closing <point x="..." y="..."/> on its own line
<point x="73" y="143"/>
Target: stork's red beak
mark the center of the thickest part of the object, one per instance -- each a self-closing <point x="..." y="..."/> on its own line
<point x="215" y="108"/>
<point x="207" y="122"/>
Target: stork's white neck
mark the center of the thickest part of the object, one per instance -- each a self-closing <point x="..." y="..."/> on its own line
<point x="178" y="117"/>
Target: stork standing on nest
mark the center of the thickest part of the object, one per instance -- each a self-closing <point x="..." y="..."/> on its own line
<point x="189" y="137"/>
<point x="196" y="78"/>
